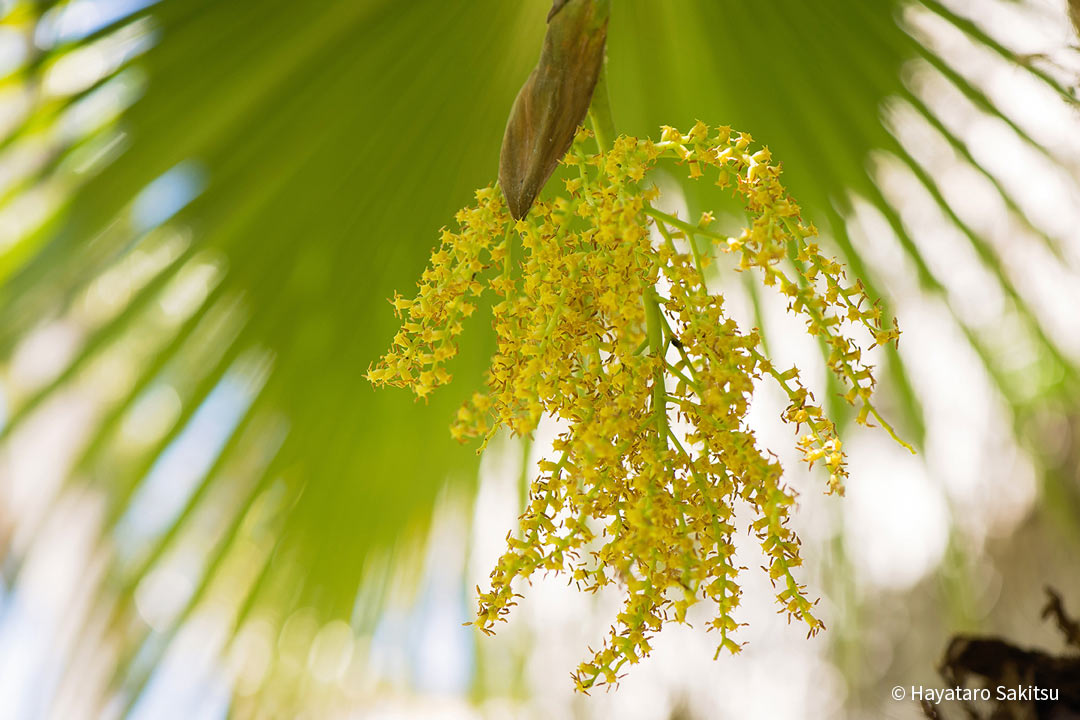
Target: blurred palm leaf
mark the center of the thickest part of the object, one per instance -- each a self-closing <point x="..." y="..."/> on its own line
<point x="209" y="270"/>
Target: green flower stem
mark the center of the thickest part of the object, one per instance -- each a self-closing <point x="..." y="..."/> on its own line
<point x="691" y="239"/>
<point x="603" y="125"/>
<point x="681" y="224"/>
<point x="678" y="374"/>
<point x="654" y="329"/>
<point x="655" y="334"/>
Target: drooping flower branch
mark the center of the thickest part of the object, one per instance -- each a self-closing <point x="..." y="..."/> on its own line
<point x="610" y="327"/>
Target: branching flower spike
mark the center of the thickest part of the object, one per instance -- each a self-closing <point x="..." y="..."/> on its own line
<point x="603" y="320"/>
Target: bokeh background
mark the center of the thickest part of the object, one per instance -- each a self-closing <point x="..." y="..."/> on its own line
<point x="206" y="512"/>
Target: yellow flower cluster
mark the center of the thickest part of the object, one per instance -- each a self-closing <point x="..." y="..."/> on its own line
<point x="602" y="322"/>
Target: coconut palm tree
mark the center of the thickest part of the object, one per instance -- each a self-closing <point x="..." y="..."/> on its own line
<point x="204" y="206"/>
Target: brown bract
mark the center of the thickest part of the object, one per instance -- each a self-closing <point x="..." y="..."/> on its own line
<point x="553" y="101"/>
